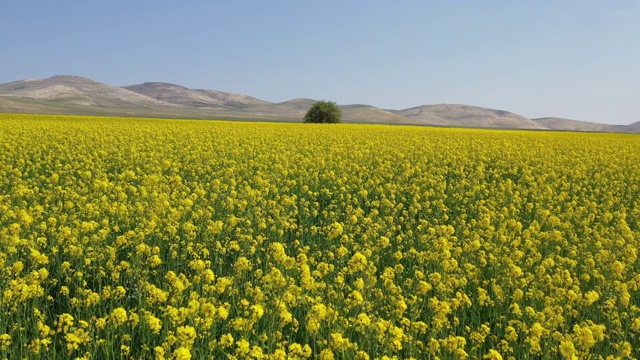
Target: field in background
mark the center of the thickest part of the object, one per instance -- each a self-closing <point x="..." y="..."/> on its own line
<point x="143" y="238"/>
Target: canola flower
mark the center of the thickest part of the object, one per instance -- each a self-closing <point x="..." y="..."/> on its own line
<point x="164" y="239"/>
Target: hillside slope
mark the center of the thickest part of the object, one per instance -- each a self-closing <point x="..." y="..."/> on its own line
<point x="63" y="94"/>
<point x="554" y="123"/>
<point x="179" y="95"/>
<point x="75" y="90"/>
<point x="467" y="116"/>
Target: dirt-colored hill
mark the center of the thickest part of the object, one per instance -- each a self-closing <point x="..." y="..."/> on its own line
<point x="467" y="116"/>
<point x="179" y="95"/>
<point x="554" y="123"/>
<point x="75" y="90"/>
<point x="635" y="127"/>
<point x="77" y="95"/>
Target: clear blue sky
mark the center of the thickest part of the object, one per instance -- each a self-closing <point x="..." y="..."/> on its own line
<point x="573" y="59"/>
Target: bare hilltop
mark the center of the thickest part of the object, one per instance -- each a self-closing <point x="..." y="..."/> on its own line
<point x="81" y="96"/>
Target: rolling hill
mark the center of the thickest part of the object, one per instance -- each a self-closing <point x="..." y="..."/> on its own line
<point x="64" y="94"/>
<point x="75" y="90"/>
<point x="554" y="123"/>
<point x="179" y="95"/>
<point x="467" y="116"/>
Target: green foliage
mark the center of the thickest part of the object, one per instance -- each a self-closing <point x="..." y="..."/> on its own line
<point x="323" y="112"/>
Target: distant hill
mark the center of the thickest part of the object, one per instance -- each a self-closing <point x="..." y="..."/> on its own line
<point x="75" y="90"/>
<point x="77" y="95"/>
<point x="372" y="114"/>
<point x="572" y="125"/>
<point x="63" y="94"/>
<point x="180" y="95"/>
<point x="467" y="116"/>
<point x="635" y="127"/>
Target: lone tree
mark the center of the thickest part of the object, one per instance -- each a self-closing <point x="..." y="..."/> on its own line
<point x="323" y="112"/>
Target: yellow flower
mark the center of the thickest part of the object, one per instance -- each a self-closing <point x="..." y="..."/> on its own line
<point x="384" y="242"/>
<point x="5" y="341"/>
<point x="510" y="333"/>
<point x="242" y="264"/>
<point x="591" y="297"/>
<point x="617" y="268"/>
<point x="118" y="316"/>
<point x="492" y="355"/>
<point x="119" y="292"/>
<point x="483" y="297"/>
<point x="326" y="354"/>
<point x="339" y="343"/>
<point x="181" y="353"/>
<point x="209" y="276"/>
<point x="342" y="251"/>
<point x="186" y="336"/>
<point x="242" y="347"/>
<point x="256" y="353"/>
<point x="155" y="261"/>
<point x="153" y="322"/>
<point x="317" y="314"/>
<point x="75" y="339"/>
<point x="535" y="334"/>
<point x="355" y="298"/>
<point x="125" y="350"/>
<point x="624" y="349"/>
<point x="568" y="350"/>
<point x="223" y="312"/>
<point x="65" y="321"/>
<point x="257" y="311"/>
<point x="423" y="287"/>
<point x="226" y="340"/>
<point x="335" y="230"/>
<point x="158" y="352"/>
<point x="358" y="262"/>
<point x="177" y="282"/>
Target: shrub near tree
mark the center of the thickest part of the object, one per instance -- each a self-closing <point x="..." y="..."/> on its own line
<point x="323" y="112"/>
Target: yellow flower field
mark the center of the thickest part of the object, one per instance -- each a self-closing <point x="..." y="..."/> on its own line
<point x="166" y="239"/>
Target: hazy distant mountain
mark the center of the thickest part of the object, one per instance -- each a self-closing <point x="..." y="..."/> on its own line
<point x="553" y="123"/>
<point x="372" y="114"/>
<point x="294" y="108"/>
<point x="180" y="95"/>
<point x="467" y="116"/>
<point x="297" y="108"/>
<point x="81" y="96"/>
<point x="635" y="127"/>
<point x="74" y="90"/>
<point x="77" y="95"/>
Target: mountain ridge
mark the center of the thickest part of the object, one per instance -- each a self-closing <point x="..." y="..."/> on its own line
<point x="468" y="116"/>
<point x="180" y="95"/>
<point x="69" y="94"/>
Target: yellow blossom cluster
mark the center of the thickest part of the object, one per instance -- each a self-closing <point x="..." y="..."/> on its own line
<point x="165" y="239"/>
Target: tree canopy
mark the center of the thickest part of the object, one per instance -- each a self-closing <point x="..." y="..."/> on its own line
<point x="323" y="112"/>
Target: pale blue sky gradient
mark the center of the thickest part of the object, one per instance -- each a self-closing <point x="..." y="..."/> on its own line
<point x="572" y="59"/>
